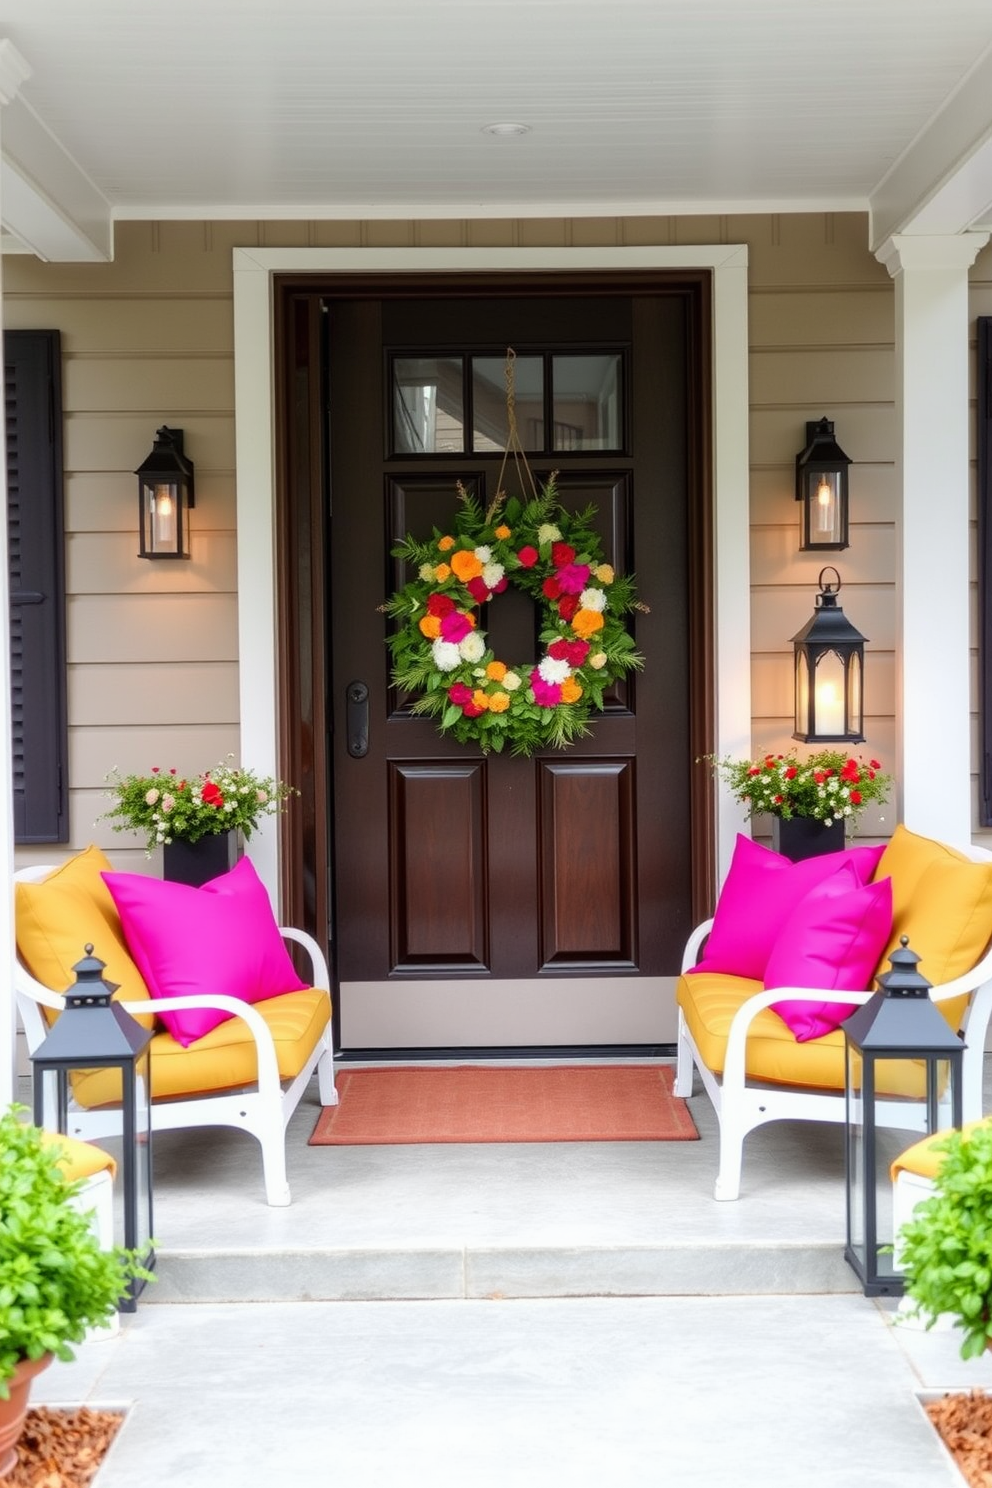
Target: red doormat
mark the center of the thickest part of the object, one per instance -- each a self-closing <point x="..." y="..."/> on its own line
<point x="462" y="1103"/>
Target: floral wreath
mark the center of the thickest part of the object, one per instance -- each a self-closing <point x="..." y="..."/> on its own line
<point x="439" y="648"/>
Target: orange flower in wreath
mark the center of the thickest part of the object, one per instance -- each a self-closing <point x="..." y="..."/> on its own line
<point x="465" y="565"/>
<point x="499" y="702"/>
<point x="496" y="671"/>
<point x="586" y="622"/>
<point x="430" y="626"/>
<point x="446" y="544"/>
<point x="570" y="690"/>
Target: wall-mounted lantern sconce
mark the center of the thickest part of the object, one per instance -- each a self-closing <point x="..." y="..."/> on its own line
<point x="822" y="487"/>
<point x="165" y="496"/>
<point x="829" y="670"/>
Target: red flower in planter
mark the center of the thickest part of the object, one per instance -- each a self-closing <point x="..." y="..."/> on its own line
<point x="211" y="794"/>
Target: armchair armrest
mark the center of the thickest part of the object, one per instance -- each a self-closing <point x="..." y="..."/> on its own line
<point x="268" y="1067"/>
<point x="740" y="1027"/>
<point x="319" y="974"/>
<point x="693" y="945"/>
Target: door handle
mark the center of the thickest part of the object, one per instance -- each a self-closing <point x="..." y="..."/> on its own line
<point x="358" y="719"/>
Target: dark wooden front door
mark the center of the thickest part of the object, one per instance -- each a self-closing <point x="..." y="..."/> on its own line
<point x="491" y="900"/>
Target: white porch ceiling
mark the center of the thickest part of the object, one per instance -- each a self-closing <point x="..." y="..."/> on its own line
<point x="356" y="108"/>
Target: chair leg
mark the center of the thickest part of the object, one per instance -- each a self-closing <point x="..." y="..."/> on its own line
<point x="728" y="1179"/>
<point x="683" y="1067"/>
<point x="273" y="1143"/>
<point x="325" y="1079"/>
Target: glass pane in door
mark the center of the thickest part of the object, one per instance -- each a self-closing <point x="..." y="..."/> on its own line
<point x="586" y="402"/>
<point x="489" y="394"/>
<point x="428" y="406"/>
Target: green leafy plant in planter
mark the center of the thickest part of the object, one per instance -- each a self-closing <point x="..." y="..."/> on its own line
<point x="55" y="1280"/>
<point x="945" y="1250"/>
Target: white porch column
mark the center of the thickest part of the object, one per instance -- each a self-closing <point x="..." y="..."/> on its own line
<point x="933" y="706"/>
<point x="13" y="71"/>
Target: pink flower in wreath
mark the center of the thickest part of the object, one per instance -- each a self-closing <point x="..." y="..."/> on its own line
<point x="478" y="589"/>
<point x="573" y="578"/>
<point x="546" y="694"/>
<point x="455" y="627"/>
<point x="459" y="694"/>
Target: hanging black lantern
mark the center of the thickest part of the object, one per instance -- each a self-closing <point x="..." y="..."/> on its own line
<point x="822" y="487"/>
<point x="165" y="497"/>
<point x="94" y="1033"/>
<point x="900" y="1053"/>
<point x="829" y="672"/>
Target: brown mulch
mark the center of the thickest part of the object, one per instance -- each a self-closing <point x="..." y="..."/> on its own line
<point x="965" y="1426"/>
<point x="62" y="1448"/>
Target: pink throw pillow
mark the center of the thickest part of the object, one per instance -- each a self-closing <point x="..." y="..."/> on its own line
<point x="761" y="890"/>
<point x="832" y="940"/>
<point x="221" y="937"/>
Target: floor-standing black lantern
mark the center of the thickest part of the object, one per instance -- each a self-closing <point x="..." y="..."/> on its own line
<point x="829" y="671"/>
<point x="165" y="496"/>
<point x="899" y="1047"/>
<point x="822" y="487"/>
<point x="92" y="1032"/>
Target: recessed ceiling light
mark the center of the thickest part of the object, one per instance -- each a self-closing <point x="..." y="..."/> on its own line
<point x="506" y="129"/>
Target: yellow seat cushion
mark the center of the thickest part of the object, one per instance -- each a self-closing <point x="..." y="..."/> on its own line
<point x="943" y="902"/>
<point x="709" y="1001"/>
<point x="923" y="1158"/>
<point x="79" y="1159"/>
<point x="72" y="908"/>
<point x="224" y="1059"/>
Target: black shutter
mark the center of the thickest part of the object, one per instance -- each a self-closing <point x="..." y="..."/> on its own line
<point x="33" y="400"/>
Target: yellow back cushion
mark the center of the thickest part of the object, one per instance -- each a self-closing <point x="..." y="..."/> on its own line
<point x="943" y="902"/>
<point x="70" y="909"/>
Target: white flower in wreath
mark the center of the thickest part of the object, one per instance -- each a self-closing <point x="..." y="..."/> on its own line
<point x="483" y="554"/>
<point x="492" y="573"/>
<point x="599" y="660"/>
<point x="472" y="646"/>
<point x="553" y="670"/>
<point x="593" y="599"/>
<point x="548" y="532"/>
<point x="446" y="655"/>
<point x="510" y="682"/>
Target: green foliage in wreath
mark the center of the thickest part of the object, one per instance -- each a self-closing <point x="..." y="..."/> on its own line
<point x="439" y="647"/>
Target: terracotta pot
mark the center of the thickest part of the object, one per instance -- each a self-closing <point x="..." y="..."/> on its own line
<point x="802" y="837"/>
<point x="14" y="1410"/>
<point x="195" y="863"/>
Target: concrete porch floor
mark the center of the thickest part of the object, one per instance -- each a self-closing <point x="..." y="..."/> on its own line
<point x="528" y="1220"/>
<point x="495" y="1315"/>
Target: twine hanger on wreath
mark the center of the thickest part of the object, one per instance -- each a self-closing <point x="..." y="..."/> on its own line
<point x="513" y="445"/>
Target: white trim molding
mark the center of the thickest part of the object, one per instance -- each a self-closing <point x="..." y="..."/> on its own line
<point x="254" y="269"/>
<point x="933" y="689"/>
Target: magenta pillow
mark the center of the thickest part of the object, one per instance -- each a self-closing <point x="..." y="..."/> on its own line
<point x="832" y="940"/>
<point x="222" y="937"/>
<point x="761" y="890"/>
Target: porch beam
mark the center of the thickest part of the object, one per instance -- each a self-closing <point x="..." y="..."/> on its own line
<point x="933" y="703"/>
<point x="942" y="183"/>
<point x="49" y="204"/>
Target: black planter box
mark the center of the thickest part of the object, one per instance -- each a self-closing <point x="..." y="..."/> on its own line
<point x="802" y="837"/>
<point x="195" y="863"/>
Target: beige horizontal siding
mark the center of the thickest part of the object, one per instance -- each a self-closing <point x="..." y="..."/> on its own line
<point x="102" y="695"/>
<point x="152" y="627"/>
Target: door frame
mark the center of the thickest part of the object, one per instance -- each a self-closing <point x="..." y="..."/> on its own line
<point x="256" y="394"/>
